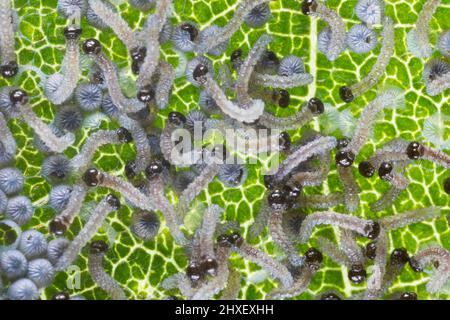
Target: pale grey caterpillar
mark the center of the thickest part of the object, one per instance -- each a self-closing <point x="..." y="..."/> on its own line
<point x="417" y="38"/>
<point x="164" y="84"/>
<point x="226" y="32"/>
<point x="349" y="93"/>
<point x="440" y="257"/>
<point x="119" y="26"/>
<point x="392" y="98"/>
<point x="9" y="67"/>
<point x="8" y="144"/>
<point x="309" y="110"/>
<point x="351" y="188"/>
<point x="320" y="201"/>
<point x="366" y="228"/>
<point x="97" y="252"/>
<point x="334" y="20"/>
<point x="300" y="284"/>
<point x="107" y="205"/>
<point x="375" y="280"/>
<point x="211" y="217"/>
<point x="43" y="130"/>
<point x="70" y="69"/>
<point x="303" y="153"/>
<point x="62" y="222"/>
<point x="93" y="48"/>
<point x="152" y="32"/>
<point x="282" y="82"/>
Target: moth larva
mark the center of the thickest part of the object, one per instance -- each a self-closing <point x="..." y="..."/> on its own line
<point x="208" y="261"/>
<point x="375" y="281"/>
<point x="390" y="98"/>
<point x="99" y="138"/>
<point x="152" y="32"/>
<point x="246" y="70"/>
<point x="108" y="204"/>
<point x="414" y="216"/>
<point x="309" y="110"/>
<point x="261" y="221"/>
<point x="366" y="228"/>
<point x="216" y="284"/>
<point x="93" y="178"/>
<point x="417" y="38"/>
<point x="438" y="256"/>
<point x="319" y="201"/>
<point x="62" y="222"/>
<point x="45" y="133"/>
<point x="279" y="237"/>
<point x="8" y="144"/>
<point x="300" y="284"/>
<point x="275" y="268"/>
<point x="160" y="202"/>
<point x="331" y="250"/>
<point x="120" y="28"/>
<point x="416" y="150"/>
<point x="143" y="151"/>
<point x="335" y="22"/>
<point x="93" y="48"/>
<point x="199" y="184"/>
<point x="282" y="82"/>
<point x="349" y="93"/>
<point x="249" y="115"/>
<point x="230" y="28"/>
<point x="101" y="278"/>
<point x="351" y="188"/>
<point x="231" y="291"/>
<point x="350" y="247"/>
<point x="316" y="147"/>
<point x="70" y="67"/>
<point x="9" y="67"/>
<point x="164" y="84"/>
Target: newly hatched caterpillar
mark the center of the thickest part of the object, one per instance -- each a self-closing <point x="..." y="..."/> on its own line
<point x="93" y="178"/>
<point x="143" y="149"/>
<point x="70" y="67"/>
<point x="248" y="115"/>
<point x="349" y="93"/>
<point x="246" y="70"/>
<point x="375" y="281"/>
<point x="410" y="217"/>
<point x="416" y="150"/>
<point x="107" y="205"/>
<point x="331" y="250"/>
<point x="275" y="268"/>
<point x="417" y="38"/>
<point x="8" y="144"/>
<point x="93" y="48"/>
<point x="320" y="201"/>
<point x="152" y="32"/>
<point x="84" y="158"/>
<point x="97" y="252"/>
<point x="160" y="202"/>
<point x="283" y="82"/>
<point x="280" y="238"/>
<point x="9" y="67"/>
<point x="309" y="110"/>
<point x="366" y="228"/>
<point x="120" y="28"/>
<point x="226" y="32"/>
<point x="350" y="247"/>
<point x="215" y="285"/>
<point x="351" y="188"/>
<point x="45" y="133"/>
<point x="335" y="22"/>
<point x="209" y="262"/>
<point x="318" y="146"/>
<point x="62" y="222"/>
<point x="164" y="85"/>
<point x="438" y="256"/>
<point x="231" y="291"/>
<point x="390" y="98"/>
